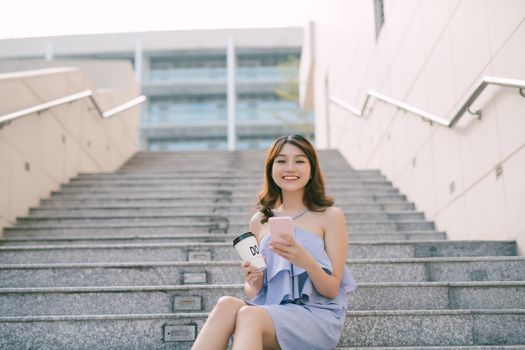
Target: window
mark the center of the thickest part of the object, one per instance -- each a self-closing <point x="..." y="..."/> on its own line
<point x="380" y="15"/>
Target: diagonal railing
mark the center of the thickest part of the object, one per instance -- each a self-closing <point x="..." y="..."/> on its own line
<point x="432" y="118"/>
<point x="71" y="98"/>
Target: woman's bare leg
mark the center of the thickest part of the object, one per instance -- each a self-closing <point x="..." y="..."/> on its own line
<point x="254" y="329"/>
<point x="220" y="325"/>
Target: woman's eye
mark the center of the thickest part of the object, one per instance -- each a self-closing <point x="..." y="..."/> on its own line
<point x="280" y="161"/>
<point x="300" y="161"/>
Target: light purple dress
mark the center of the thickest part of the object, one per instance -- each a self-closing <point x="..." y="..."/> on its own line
<point x="303" y="318"/>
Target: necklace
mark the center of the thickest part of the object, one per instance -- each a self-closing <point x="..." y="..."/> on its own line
<point x="296" y="216"/>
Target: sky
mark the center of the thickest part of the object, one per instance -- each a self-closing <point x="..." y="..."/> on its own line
<point x="36" y="18"/>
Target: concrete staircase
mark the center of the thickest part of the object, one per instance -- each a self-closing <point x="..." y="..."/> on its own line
<point x="136" y="260"/>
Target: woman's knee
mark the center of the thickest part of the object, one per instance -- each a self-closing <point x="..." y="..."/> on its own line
<point x="227" y="304"/>
<point x="249" y="316"/>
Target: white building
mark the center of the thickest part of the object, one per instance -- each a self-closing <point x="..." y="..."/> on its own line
<point x="432" y="55"/>
<point x="185" y="75"/>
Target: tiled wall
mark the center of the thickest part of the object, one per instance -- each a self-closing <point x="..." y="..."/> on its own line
<point x="431" y="54"/>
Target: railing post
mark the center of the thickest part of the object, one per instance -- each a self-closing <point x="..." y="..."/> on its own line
<point x="232" y="98"/>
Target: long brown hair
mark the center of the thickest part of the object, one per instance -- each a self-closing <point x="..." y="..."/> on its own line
<point x="314" y="197"/>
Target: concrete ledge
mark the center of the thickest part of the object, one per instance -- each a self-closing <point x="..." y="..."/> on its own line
<point x="160" y="299"/>
<point x="227" y="272"/>
<point x="102" y="236"/>
<point x="148" y="252"/>
<point x="394" y="328"/>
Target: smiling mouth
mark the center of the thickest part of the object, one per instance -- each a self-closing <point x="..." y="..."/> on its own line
<point x="291" y="177"/>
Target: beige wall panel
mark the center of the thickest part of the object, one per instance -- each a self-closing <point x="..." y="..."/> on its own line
<point x="387" y="154"/>
<point x="479" y="145"/>
<point x="435" y="16"/>
<point x="508" y="61"/>
<point x="511" y="121"/>
<point x="98" y="140"/>
<point x="402" y="153"/>
<point x="51" y="149"/>
<point x="453" y="6"/>
<point x="374" y="160"/>
<point x="24" y="189"/>
<point x="485" y="209"/>
<point x="87" y="143"/>
<point x="453" y="220"/>
<point x="424" y="180"/>
<point x="405" y="181"/>
<point x="116" y="131"/>
<point x="503" y="17"/>
<point x="56" y="85"/>
<point x="400" y="17"/>
<point x="46" y="185"/>
<point x="514" y="183"/>
<point x="70" y="118"/>
<point x="358" y="88"/>
<point x="79" y="80"/>
<point x="4" y="223"/>
<point x="5" y="177"/>
<point x="20" y="97"/>
<point x="22" y="133"/>
<point x="73" y="156"/>
<point x="440" y="78"/>
<point x="448" y="167"/>
<point x="88" y="164"/>
<point x="510" y="105"/>
<point x="469" y="44"/>
<point x="377" y="71"/>
<point x="104" y="101"/>
<point x="409" y="61"/>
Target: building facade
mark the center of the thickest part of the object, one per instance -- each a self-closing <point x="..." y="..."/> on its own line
<point x="193" y="101"/>
<point x="430" y="56"/>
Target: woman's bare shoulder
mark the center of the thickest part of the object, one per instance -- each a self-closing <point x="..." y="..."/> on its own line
<point x="333" y="219"/>
<point x="331" y="213"/>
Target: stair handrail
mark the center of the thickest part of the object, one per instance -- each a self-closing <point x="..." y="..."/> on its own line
<point x="432" y="118"/>
<point x="71" y="98"/>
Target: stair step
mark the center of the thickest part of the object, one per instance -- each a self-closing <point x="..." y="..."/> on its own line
<point x="57" y="207"/>
<point x="193" y="225"/>
<point x="207" y="194"/>
<point x="182" y="186"/>
<point x="466" y="347"/>
<point x="218" y="202"/>
<point x="236" y="218"/>
<point x="213" y="176"/>
<point x="202" y="298"/>
<point x="132" y="258"/>
<point x="151" y="252"/>
<point x="238" y="184"/>
<point x="229" y="272"/>
<point x="110" y="237"/>
<point x="240" y="212"/>
<point x="239" y="199"/>
<point x="362" y="328"/>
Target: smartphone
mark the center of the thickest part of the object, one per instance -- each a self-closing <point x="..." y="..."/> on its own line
<point x="279" y="225"/>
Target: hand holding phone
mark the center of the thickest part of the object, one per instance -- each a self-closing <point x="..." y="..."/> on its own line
<point x="279" y="225"/>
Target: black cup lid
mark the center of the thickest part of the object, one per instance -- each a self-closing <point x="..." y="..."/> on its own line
<point x="241" y="237"/>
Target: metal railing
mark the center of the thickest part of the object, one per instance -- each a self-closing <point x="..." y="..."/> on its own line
<point x="71" y="98"/>
<point x="465" y="107"/>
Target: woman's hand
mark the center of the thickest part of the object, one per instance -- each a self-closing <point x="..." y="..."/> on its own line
<point x="253" y="277"/>
<point x="292" y="251"/>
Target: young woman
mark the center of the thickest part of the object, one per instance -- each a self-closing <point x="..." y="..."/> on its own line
<point x="300" y="300"/>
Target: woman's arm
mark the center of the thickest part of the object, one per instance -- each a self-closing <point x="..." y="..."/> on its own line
<point x="253" y="279"/>
<point x="336" y="246"/>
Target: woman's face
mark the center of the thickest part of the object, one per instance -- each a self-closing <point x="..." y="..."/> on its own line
<point x="291" y="168"/>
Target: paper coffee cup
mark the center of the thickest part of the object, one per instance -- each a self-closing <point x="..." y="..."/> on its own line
<point x="247" y="247"/>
